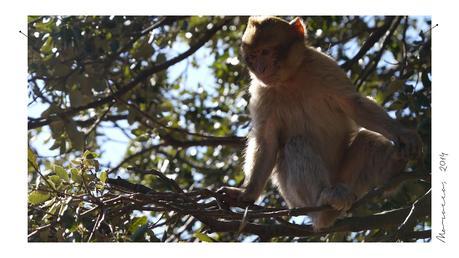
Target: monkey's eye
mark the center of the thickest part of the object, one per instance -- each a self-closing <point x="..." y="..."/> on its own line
<point x="250" y="57"/>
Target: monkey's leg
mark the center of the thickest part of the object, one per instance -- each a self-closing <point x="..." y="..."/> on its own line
<point x="370" y="161"/>
<point x="301" y="176"/>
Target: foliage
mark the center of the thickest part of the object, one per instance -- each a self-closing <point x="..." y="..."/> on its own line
<point x="173" y="91"/>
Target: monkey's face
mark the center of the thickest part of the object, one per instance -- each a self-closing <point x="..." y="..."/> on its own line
<point x="263" y="62"/>
<point x="265" y="45"/>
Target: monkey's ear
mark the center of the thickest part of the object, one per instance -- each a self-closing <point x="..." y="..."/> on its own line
<point x="298" y="27"/>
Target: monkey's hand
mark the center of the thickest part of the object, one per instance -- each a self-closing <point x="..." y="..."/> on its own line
<point x="338" y="196"/>
<point x="408" y="143"/>
<point x="236" y="197"/>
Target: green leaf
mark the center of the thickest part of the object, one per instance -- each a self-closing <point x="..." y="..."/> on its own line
<point x="137" y="223"/>
<point x="76" y="137"/>
<point x="103" y="176"/>
<point x="143" y="138"/>
<point x="57" y="128"/>
<point x="161" y="58"/>
<point x="137" y="132"/>
<point x="57" y="144"/>
<point x="76" y="176"/>
<point x="37" y="197"/>
<point x="47" y="46"/>
<point x="43" y="27"/>
<point x="127" y="72"/>
<point x="55" y="180"/>
<point x="396" y="105"/>
<point x="92" y="163"/>
<point x="76" y="98"/>
<point x="131" y="117"/>
<point x="31" y="18"/>
<point x="90" y="155"/>
<point x="68" y="219"/>
<point x="99" y="85"/>
<point x="203" y="237"/>
<point x="51" y="180"/>
<point x="379" y="98"/>
<point x="393" y="86"/>
<point x="52" y="210"/>
<point x="62" y="148"/>
<point x="32" y="159"/>
<point x="139" y="233"/>
<point x="60" y="171"/>
<point x="141" y="49"/>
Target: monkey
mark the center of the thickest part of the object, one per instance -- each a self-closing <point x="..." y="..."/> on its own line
<point x="318" y="139"/>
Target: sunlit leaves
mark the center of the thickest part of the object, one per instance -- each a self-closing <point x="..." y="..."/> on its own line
<point x="53" y="196"/>
<point x="47" y="46"/>
<point x="43" y="27"/>
<point x="103" y="176"/>
<point x="37" y="197"/>
<point x="60" y="171"/>
<point x="137" y="223"/>
<point x="76" y="175"/>
<point x="203" y="237"/>
<point x="90" y="155"/>
<point x="32" y="159"/>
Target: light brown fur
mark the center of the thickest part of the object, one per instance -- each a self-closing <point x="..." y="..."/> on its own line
<point x="320" y="140"/>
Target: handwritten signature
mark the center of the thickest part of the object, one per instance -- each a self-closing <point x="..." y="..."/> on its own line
<point x="442" y="235"/>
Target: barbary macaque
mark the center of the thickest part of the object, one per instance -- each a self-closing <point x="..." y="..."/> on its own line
<point x="320" y="141"/>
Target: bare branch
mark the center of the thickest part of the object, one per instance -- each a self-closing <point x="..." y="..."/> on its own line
<point x="209" y="208"/>
<point x="369" y="43"/>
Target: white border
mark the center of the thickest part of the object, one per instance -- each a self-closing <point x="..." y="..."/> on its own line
<point x="13" y="128"/>
<point x="232" y="7"/>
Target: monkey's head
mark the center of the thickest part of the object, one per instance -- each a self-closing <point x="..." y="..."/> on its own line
<point x="272" y="46"/>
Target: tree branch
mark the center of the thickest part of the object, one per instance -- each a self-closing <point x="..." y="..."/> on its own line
<point x="209" y="208"/>
<point x="369" y="43"/>
<point x="133" y="83"/>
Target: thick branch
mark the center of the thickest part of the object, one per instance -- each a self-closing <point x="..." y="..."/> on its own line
<point x="217" y="217"/>
<point x="353" y="224"/>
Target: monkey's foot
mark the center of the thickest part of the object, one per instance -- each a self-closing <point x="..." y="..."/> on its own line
<point x="338" y="196"/>
<point x="324" y="220"/>
<point x="234" y="196"/>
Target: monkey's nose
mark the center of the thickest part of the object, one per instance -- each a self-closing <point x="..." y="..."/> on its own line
<point x="260" y="68"/>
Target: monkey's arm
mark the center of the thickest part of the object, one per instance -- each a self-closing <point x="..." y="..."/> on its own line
<point x="370" y="115"/>
<point x="259" y="162"/>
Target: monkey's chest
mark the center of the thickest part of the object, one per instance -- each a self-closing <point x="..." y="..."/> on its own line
<point x="319" y="120"/>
